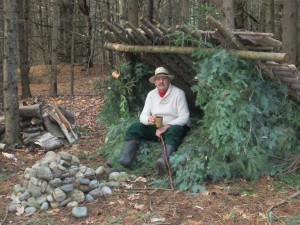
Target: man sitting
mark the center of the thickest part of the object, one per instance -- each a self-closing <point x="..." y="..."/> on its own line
<point x="166" y="101"/>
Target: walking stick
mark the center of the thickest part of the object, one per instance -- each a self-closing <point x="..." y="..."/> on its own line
<point x="159" y="124"/>
<point x="167" y="161"/>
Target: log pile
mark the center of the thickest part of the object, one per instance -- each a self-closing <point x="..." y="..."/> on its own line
<point x="155" y="43"/>
<point x="44" y="126"/>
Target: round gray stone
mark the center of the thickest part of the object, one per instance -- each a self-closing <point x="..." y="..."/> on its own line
<point x="79" y="212"/>
<point x="44" y="206"/>
<point x="89" y="198"/>
<point x="30" y="210"/>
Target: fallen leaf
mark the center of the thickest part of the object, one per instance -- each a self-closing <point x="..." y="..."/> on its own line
<point x="263" y="215"/>
<point x="53" y="211"/>
<point x="139" y="207"/>
<point x="141" y="179"/>
<point x="20" y="210"/>
<point x="153" y="220"/>
<point x="133" y="197"/>
<point x="126" y="186"/>
<point x="9" y="156"/>
<point x="121" y="202"/>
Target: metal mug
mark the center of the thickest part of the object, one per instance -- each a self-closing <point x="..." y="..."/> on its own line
<point x="158" y="121"/>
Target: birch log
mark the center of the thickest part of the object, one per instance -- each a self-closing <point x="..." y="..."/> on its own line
<point x="264" y="56"/>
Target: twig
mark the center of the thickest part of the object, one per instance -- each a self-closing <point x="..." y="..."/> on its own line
<point x="296" y="194"/>
<point x="163" y="199"/>
<point x="6" y="212"/>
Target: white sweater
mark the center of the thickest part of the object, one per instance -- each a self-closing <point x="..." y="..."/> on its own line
<point x="172" y="107"/>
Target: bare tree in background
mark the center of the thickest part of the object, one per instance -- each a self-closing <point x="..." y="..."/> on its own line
<point x="85" y="9"/>
<point x="228" y="14"/>
<point x="289" y="34"/>
<point x="150" y="10"/>
<point x="298" y="35"/>
<point x="10" y="81"/>
<point x="54" y="49"/>
<point x="185" y="8"/>
<point x="23" y="48"/>
<point x="1" y="53"/>
<point x="73" y="46"/>
<point x="133" y="12"/>
<point x="278" y="6"/>
<point x="269" y="16"/>
<point x="122" y="12"/>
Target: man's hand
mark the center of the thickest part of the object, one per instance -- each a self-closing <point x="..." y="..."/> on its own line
<point x="162" y="130"/>
<point x="151" y="120"/>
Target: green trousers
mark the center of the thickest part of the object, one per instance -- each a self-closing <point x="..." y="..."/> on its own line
<point x="173" y="136"/>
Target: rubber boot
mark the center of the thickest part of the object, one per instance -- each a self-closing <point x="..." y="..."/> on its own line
<point x="161" y="164"/>
<point x="129" y="153"/>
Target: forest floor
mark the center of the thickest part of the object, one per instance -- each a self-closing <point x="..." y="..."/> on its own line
<point x="230" y="202"/>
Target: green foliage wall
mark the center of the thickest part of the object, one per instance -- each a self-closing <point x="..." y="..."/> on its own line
<point x="249" y="125"/>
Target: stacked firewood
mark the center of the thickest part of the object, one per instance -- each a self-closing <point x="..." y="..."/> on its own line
<point x="44" y="126"/>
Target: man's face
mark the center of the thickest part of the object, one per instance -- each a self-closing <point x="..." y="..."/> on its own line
<point x="162" y="83"/>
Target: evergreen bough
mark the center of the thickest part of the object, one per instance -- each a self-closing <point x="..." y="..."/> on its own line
<point x="249" y="125"/>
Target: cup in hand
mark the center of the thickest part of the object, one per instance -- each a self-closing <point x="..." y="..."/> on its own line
<point x="158" y="121"/>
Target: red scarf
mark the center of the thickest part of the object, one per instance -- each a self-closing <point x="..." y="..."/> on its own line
<point x="162" y="94"/>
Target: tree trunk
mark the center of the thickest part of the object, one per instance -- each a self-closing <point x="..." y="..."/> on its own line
<point x="133" y="9"/>
<point x="66" y="28"/>
<point x="277" y="19"/>
<point x="228" y="14"/>
<point x="23" y="50"/>
<point x="298" y="35"/>
<point x="10" y="82"/>
<point x="185" y="11"/>
<point x="122" y="12"/>
<point x="54" y="51"/>
<point x="150" y="10"/>
<point x="289" y="34"/>
<point x="85" y="9"/>
<point x="73" y="46"/>
<point x="1" y="53"/>
<point x="269" y="16"/>
<point x="240" y="7"/>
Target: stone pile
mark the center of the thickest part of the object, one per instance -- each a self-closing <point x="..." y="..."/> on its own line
<point x="60" y="180"/>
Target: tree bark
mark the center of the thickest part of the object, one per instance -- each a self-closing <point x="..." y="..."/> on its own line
<point x="73" y="46"/>
<point x="269" y="16"/>
<point x="229" y="38"/>
<point x="133" y="16"/>
<point x="54" y="51"/>
<point x="277" y="19"/>
<point x="10" y="83"/>
<point x="122" y="12"/>
<point x="1" y="54"/>
<point x="265" y="56"/>
<point x="85" y="9"/>
<point x="185" y="11"/>
<point x="23" y="50"/>
<point x="150" y="10"/>
<point x="30" y="111"/>
<point x="228" y="14"/>
<point x="289" y="34"/>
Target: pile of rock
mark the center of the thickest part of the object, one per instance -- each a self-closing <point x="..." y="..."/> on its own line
<point x="59" y="180"/>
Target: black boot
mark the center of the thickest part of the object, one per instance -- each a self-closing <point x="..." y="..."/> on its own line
<point x="129" y="153"/>
<point x="161" y="164"/>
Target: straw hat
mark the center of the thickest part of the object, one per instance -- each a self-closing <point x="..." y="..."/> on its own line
<point x="161" y="71"/>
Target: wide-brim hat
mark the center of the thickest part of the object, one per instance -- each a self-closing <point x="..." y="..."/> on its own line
<point x="161" y="71"/>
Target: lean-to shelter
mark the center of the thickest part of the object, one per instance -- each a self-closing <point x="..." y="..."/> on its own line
<point x="155" y="45"/>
